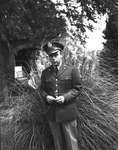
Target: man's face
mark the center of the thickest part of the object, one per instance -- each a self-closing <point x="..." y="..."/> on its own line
<point x="55" y="58"/>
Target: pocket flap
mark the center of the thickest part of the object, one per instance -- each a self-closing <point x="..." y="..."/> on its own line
<point x="66" y="78"/>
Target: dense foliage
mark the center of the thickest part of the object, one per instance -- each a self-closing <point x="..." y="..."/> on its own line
<point x="110" y="52"/>
<point x="28" y="19"/>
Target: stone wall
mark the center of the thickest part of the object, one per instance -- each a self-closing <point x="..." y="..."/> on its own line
<point x="6" y="68"/>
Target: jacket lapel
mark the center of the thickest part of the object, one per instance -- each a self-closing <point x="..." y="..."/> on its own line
<point x="51" y="70"/>
<point x="61" y="70"/>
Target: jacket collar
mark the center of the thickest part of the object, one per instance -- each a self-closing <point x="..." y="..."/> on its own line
<point x="63" y="67"/>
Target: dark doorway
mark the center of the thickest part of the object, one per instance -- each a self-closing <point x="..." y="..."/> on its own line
<point x="25" y="58"/>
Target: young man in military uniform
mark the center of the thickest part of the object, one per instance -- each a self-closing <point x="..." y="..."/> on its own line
<point x="60" y="87"/>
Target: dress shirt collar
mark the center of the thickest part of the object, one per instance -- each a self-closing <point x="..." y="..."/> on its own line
<point x="59" y="65"/>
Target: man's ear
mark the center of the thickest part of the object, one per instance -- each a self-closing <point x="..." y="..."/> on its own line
<point x="61" y="56"/>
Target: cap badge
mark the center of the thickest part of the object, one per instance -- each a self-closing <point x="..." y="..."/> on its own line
<point x="49" y="44"/>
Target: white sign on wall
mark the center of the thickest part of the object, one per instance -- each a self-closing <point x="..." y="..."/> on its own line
<point x="18" y="72"/>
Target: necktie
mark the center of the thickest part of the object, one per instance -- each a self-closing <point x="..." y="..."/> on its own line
<point x="56" y="69"/>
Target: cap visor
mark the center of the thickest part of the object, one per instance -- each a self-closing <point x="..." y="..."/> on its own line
<point x="52" y="52"/>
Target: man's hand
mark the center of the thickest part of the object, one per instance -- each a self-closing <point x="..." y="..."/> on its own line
<point x="60" y="99"/>
<point x="50" y="99"/>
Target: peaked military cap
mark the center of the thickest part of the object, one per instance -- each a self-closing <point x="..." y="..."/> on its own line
<point x="53" y="47"/>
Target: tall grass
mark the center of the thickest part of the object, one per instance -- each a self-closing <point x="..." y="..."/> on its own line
<point x="23" y="122"/>
<point x="27" y="127"/>
<point x="97" y="123"/>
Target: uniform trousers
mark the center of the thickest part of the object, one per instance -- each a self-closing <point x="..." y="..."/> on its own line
<point x="64" y="133"/>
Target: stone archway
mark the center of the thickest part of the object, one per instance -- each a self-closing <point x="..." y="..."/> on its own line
<point x="8" y="62"/>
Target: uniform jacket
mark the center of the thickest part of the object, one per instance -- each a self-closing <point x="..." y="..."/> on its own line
<point x="67" y="83"/>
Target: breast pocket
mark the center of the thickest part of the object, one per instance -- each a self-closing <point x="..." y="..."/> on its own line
<point x="66" y="82"/>
<point x="49" y="83"/>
